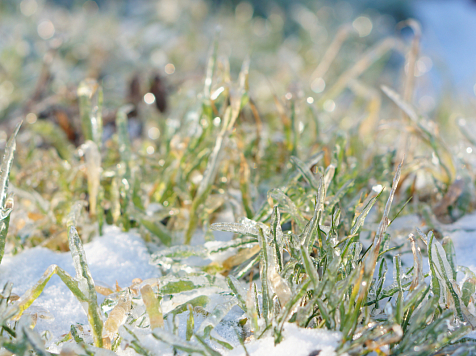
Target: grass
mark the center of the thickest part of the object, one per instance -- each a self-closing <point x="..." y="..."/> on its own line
<point x="313" y="181"/>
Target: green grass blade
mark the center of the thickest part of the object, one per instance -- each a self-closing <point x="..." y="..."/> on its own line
<point x="83" y="276"/>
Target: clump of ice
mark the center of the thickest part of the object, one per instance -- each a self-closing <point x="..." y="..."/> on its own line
<point x="116" y="256"/>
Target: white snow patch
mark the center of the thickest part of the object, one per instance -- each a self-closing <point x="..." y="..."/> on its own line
<point x="297" y="342"/>
<point x="116" y="256"/>
<point x="463" y="234"/>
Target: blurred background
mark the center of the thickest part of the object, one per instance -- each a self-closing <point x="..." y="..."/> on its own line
<point x="47" y="47"/>
<point x="315" y="81"/>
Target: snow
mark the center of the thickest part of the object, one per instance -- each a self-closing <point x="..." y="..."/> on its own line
<point x="297" y="342"/>
<point x="463" y="234"/>
<point x="119" y="256"/>
<point x="128" y="259"/>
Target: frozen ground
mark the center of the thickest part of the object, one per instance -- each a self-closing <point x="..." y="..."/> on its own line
<point x="129" y="259"/>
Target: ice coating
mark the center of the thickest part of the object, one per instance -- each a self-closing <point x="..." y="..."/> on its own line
<point x="287" y="205"/>
<point x="217" y="315"/>
<point x="6" y="204"/>
<point x="117" y="316"/>
<point x="152" y="306"/>
<point x="243" y="228"/>
<point x="306" y="172"/>
<point x="7" y="164"/>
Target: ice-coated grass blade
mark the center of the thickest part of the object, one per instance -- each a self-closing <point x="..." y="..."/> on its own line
<point x="245" y="186"/>
<point x="330" y="324"/>
<point x="6" y="205"/>
<point x="29" y="297"/>
<point x="152" y="307"/>
<point x="360" y="219"/>
<point x="208" y="349"/>
<point x="55" y="136"/>
<point x="190" y="323"/>
<point x="173" y="284"/>
<point x="7" y="164"/>
<point x="306" y="172"/>
<point x="445" y="158"/>
<point x="136" y="344"/>
<point x="158" y="230"/>
<point x="362" y="284"/>
<point x="4" y="224"/>
<point x="277" y="237"/>
<point x="309" y="266"/>
<point x="93" y="171"/>
<point x="238" y="291"/>
<point x="83" y="276"/>
<point x="417" y="264"/>
<point x="468" y="289"/>
<point x="116" y="318"/>
<point x="449" y="248"/>
<point x="397" y="272"/>
<point x="229" y="117"/>
<point x="313" y="224"/>
<point x="90" y="106"/>
<point x="212" y="320"/>
<point x="236" y="228"/>
<point x="125" y="187"/>
<point x="264" y="265"/>
<point x="212" y="58"/>
<point x="287" y="310"/>
<point x="200" y="301"/>
<point x="242" y="270"/>
<point x="445" y="274"/>
<point x="287" y="205"/>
